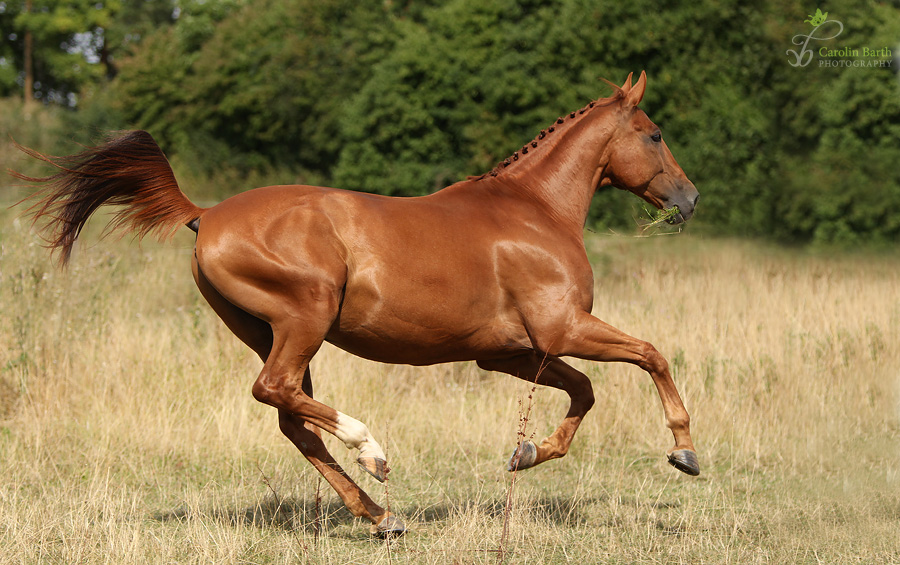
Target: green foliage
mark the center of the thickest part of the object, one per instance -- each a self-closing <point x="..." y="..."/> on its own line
<point x="404" y="98"/>
<point x="837" y="174"/>
<point x="131" y="23"/>
<point x="67" y="38"/>
<point x="459" y="92"/>
<point x="261" y="87"/>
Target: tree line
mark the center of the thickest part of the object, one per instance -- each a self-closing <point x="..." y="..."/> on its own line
<point x="404" y="97"/>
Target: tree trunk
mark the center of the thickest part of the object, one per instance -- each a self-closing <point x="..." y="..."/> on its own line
<point x="29" y="65"/>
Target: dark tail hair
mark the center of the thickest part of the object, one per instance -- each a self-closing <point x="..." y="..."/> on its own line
<point x="130" y="171"/>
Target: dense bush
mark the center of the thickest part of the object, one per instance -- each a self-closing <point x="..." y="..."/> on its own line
<point x="406" y="97"/>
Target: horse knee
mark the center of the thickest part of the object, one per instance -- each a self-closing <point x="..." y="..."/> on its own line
<point x="652" y="360"/>
<point x="580" y="391"/>
<point x="586" y="398"/>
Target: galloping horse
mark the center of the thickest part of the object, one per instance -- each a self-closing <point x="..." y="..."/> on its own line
<point x="491" y="269"/>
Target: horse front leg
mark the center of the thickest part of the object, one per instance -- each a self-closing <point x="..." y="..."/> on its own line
<point x="547" y="371"/>
<point x="590" y="338"/>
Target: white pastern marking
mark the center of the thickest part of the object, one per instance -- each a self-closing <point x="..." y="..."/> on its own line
<point x="355" y="434"/>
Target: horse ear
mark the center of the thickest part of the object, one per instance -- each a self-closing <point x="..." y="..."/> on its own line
<point x="627" y="85"/>
<point x="634" y="94"/>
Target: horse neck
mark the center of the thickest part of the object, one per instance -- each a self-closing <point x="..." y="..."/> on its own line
<point x="562" y="172"/>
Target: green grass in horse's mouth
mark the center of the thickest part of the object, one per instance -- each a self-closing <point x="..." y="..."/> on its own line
<point x="661" y="216"/>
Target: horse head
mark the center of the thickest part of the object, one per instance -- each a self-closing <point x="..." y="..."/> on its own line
<point x="639" y="161"/>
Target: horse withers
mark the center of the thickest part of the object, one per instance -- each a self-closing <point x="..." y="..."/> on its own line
<point x="492" y="269"/>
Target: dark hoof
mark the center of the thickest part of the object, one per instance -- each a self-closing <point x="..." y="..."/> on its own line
<point x="374" y="466"/>
<point x="523" y="457"/>
<point x="685" y="461"/>
<point x="390" y="527"/>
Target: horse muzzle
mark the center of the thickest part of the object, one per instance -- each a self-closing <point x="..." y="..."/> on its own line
<point x="685" y="197"/>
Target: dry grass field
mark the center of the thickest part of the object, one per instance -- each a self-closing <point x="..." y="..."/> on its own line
<point x="128" y="433"/>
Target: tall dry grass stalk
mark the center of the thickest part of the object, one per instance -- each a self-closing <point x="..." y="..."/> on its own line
<point x="128" y="432"/>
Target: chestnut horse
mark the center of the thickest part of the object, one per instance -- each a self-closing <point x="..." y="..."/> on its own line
<point x="491" y="269"/>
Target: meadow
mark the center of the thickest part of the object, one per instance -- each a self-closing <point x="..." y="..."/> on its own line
<point x="128" y="433"/>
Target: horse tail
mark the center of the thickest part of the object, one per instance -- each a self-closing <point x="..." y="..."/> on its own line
<point x="130" y="171"/>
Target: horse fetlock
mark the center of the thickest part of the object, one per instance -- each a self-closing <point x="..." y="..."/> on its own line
<point x="350" y="431"/>
<point x="356" y="435"/>
<point x="584" y="401"/>
<point x="358" y="508"/>
<point x="552" y="448"/>
<point x="679" y="423"/>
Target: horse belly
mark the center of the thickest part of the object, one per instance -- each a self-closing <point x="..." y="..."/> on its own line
<point x="419" y="349"/>
<point x="425" y="325"/>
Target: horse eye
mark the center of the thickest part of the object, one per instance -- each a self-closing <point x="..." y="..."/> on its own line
<point x="657" y="137"/>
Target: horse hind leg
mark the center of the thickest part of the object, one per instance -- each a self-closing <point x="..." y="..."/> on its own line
<point x="278" y="385"/>
<point x="302" y="418"/>
<point x="254" y="332"/>
<point x="258" y="335"/>
<point x="308" y="439"/>
<point x="356" y="435"/>
<point x="547" y="371"/>
<point x="302" y="328"/>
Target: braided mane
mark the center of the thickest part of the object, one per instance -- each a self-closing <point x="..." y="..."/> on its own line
<point x="618" y="94"/>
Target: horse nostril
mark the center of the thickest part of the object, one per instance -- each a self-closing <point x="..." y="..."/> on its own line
<point x="696" y="199"/>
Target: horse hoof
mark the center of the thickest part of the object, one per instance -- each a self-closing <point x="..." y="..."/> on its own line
<point x="389" y="527"/>
<point x="374" y="466"/>
<point x="685" y="461"/>
<point x="523" y="457"/>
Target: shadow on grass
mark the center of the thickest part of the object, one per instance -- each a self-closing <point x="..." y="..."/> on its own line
<point x="287" y="514"/>
<point x="332" y="517"/>
<point x="557" y="510"/>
